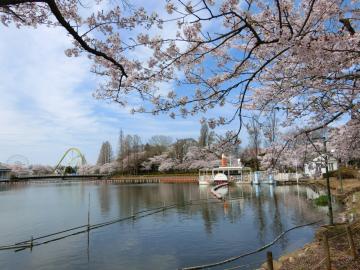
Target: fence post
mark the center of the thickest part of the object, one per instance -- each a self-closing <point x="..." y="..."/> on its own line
<point x="351" y="241"/>
<point x="326" y="250"/>
<point x="269" y="260"/>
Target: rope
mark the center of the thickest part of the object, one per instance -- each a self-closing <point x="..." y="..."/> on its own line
<point x="319" y="264"/>
<point x="52" y="234"/>
<point x="354" y="229"/>
<point x="251" y="252"/>
<point x="30" y="243"/>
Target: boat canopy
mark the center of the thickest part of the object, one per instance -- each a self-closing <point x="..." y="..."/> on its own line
<point x="225" y="169"/>
<point x="232" y="169"/>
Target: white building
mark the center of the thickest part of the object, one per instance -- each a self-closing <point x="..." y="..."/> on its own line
<point x="317" y="166"/>
<point x="4" y="173"/>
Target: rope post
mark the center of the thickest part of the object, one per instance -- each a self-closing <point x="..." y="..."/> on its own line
<point x="31" y="243"/>
<point x="326" y="250"/>
<point x="351" y="242"/>
<point x="269" y="258"/>
<point x="88" y="226"/>
<point x="132" y="214"/>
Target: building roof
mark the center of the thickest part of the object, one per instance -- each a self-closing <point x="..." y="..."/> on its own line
<point x="322" y="159"/>
<point x="4" y="168"/>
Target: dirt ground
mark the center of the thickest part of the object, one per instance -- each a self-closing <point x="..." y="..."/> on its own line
<point x="312" y="256"/>
<point x="349" y="185"/>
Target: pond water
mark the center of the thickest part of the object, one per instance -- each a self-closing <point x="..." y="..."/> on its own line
<point x="185" y="235"/>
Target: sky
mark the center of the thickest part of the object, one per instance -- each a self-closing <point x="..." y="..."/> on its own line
<point x="46" y="102"/>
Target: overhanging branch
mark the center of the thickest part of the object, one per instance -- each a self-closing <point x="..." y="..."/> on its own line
<point x="60" y="18"/>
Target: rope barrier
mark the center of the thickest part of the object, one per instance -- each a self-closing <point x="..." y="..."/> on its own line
<point x="30" y="243"/>
<point x="319" y="264"/>
<point x="264" y="247"/>
<point x="251" y="252"/>
<point x="52" y="234"/>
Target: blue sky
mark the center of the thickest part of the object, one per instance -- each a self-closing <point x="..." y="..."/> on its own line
<point x="46" y="102"/>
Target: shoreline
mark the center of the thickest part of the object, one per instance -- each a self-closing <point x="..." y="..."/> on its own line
<point x="310" y="256"/>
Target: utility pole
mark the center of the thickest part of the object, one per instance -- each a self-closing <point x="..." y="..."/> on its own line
<point x="339" y="174"/>
<point x="339" y="177"/>
<point x="328" y="184"/>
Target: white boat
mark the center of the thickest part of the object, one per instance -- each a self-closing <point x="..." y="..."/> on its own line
<point x="234" y="174"/>
<point x="223" y="191"/>
<point x="211" y="176"/>
<point x="220" y="191"/>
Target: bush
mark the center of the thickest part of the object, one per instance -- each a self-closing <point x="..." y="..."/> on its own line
<point x="355" y="163"/>
<point x="322" y="200"/>
<point x="344" y="172"/>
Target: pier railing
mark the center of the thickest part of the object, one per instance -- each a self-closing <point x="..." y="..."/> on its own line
<point x="287" y="176"/>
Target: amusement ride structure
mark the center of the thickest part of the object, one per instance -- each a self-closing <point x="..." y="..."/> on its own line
<point x="71" y="160"/>
<point x="19" y="160"/>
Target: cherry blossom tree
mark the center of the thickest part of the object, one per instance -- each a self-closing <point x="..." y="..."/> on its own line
<point x="88" y="169"/>
<point x="41" y="169"/>
<point x="109" y="168"/>
<point x="345" y="142"/>
<point x="291" y="150"/>
<point x="19" y="170"/>
<point x="195" y="158"/>
<point x="255" y="138"/>
<point x="302" y="56"/>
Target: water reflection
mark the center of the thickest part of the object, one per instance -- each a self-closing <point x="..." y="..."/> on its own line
<point x="253" y="216"/>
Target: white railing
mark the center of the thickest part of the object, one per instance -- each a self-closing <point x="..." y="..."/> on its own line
<point x="287" y="176"/>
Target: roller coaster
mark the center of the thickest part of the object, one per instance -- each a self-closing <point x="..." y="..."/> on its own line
<point x="66" y="168"/>
<point x="70" y="161"/>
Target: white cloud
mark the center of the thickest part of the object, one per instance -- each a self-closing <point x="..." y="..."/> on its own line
<point x="42" y="108"/>
<point x="46" y="104"/>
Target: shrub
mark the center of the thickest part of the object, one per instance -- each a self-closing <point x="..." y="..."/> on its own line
<point x="322" y="200"/>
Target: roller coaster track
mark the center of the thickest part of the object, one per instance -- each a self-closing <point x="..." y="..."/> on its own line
<point x="79" y="156"/>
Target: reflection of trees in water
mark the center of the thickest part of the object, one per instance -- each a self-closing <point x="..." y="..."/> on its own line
<point x="209" y="217"/>
<point x="277" y="224"/>
<point x="303" y="210"/>
<point x="104" y="197"/>
<point x="12" y="186"/>
<point x="235" y="210"/>
<point x="132" y="198"/>
<point x="272" y="210"/>
<point x="259" y="218"/>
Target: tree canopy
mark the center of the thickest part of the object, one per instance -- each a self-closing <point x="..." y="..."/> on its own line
<point x="298" y="56"/>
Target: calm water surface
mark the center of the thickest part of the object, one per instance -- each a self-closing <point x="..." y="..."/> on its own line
<point x="183" y="236"/>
